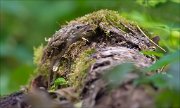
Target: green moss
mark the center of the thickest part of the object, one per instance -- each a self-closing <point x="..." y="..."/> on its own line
<point x="62" y="68"/>
<point x="80" y="68"/>
<point x="106" y="17"/>
<point x="41" y="68"/>
<point x="38" y="52"/>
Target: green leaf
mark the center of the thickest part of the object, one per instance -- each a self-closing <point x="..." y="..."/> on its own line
<point x="168" y="99"/>
<point x="158" y="54"/>
<point x="174" y="70"/>
<point x="158" y="80"/>
<point x="116" y="75"/>
<point x="165" y="61"/>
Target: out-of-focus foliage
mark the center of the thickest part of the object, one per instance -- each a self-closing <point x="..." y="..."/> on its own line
<point x="170" y="96"/>
<point x="117" y="75"/>
<point x="25" y="23"/>
<point x="168" y="82"/>
<point x="167" y="59"/>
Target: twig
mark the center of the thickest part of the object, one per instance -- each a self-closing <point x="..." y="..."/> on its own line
<point x="150" y="39"/>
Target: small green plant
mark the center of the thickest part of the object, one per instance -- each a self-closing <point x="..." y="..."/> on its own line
<point x="59" y="82"/>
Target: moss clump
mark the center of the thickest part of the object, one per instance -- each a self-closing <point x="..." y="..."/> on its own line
<point x="38" y="52"/>
<point x="63" y="68"/>
<point x="41" y="68"/>
<point x="80" y="68"/>
<point x="106" y="17"/>
<point x="41" y="71"/>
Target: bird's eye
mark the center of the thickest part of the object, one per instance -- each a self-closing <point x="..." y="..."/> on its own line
<point x="78" y="27"/>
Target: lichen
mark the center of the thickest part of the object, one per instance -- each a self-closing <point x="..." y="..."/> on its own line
<point x="80" y="68"/>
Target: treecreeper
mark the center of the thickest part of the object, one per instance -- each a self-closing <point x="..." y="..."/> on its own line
<point x="81" y="53"/>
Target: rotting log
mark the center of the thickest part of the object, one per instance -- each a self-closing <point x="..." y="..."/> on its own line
<point x="83" y="51"/>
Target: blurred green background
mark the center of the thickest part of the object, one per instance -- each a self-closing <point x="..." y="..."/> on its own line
<point x="24" y="24"/>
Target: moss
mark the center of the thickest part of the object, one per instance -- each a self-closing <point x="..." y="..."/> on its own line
<point x="75" y="49"/>
<point x="38" y="52"/>
<point x="62" y="68"/>
<point x="107" y="17"/>
<point x="41" y="68"/>
<point x="80" y="68"/>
